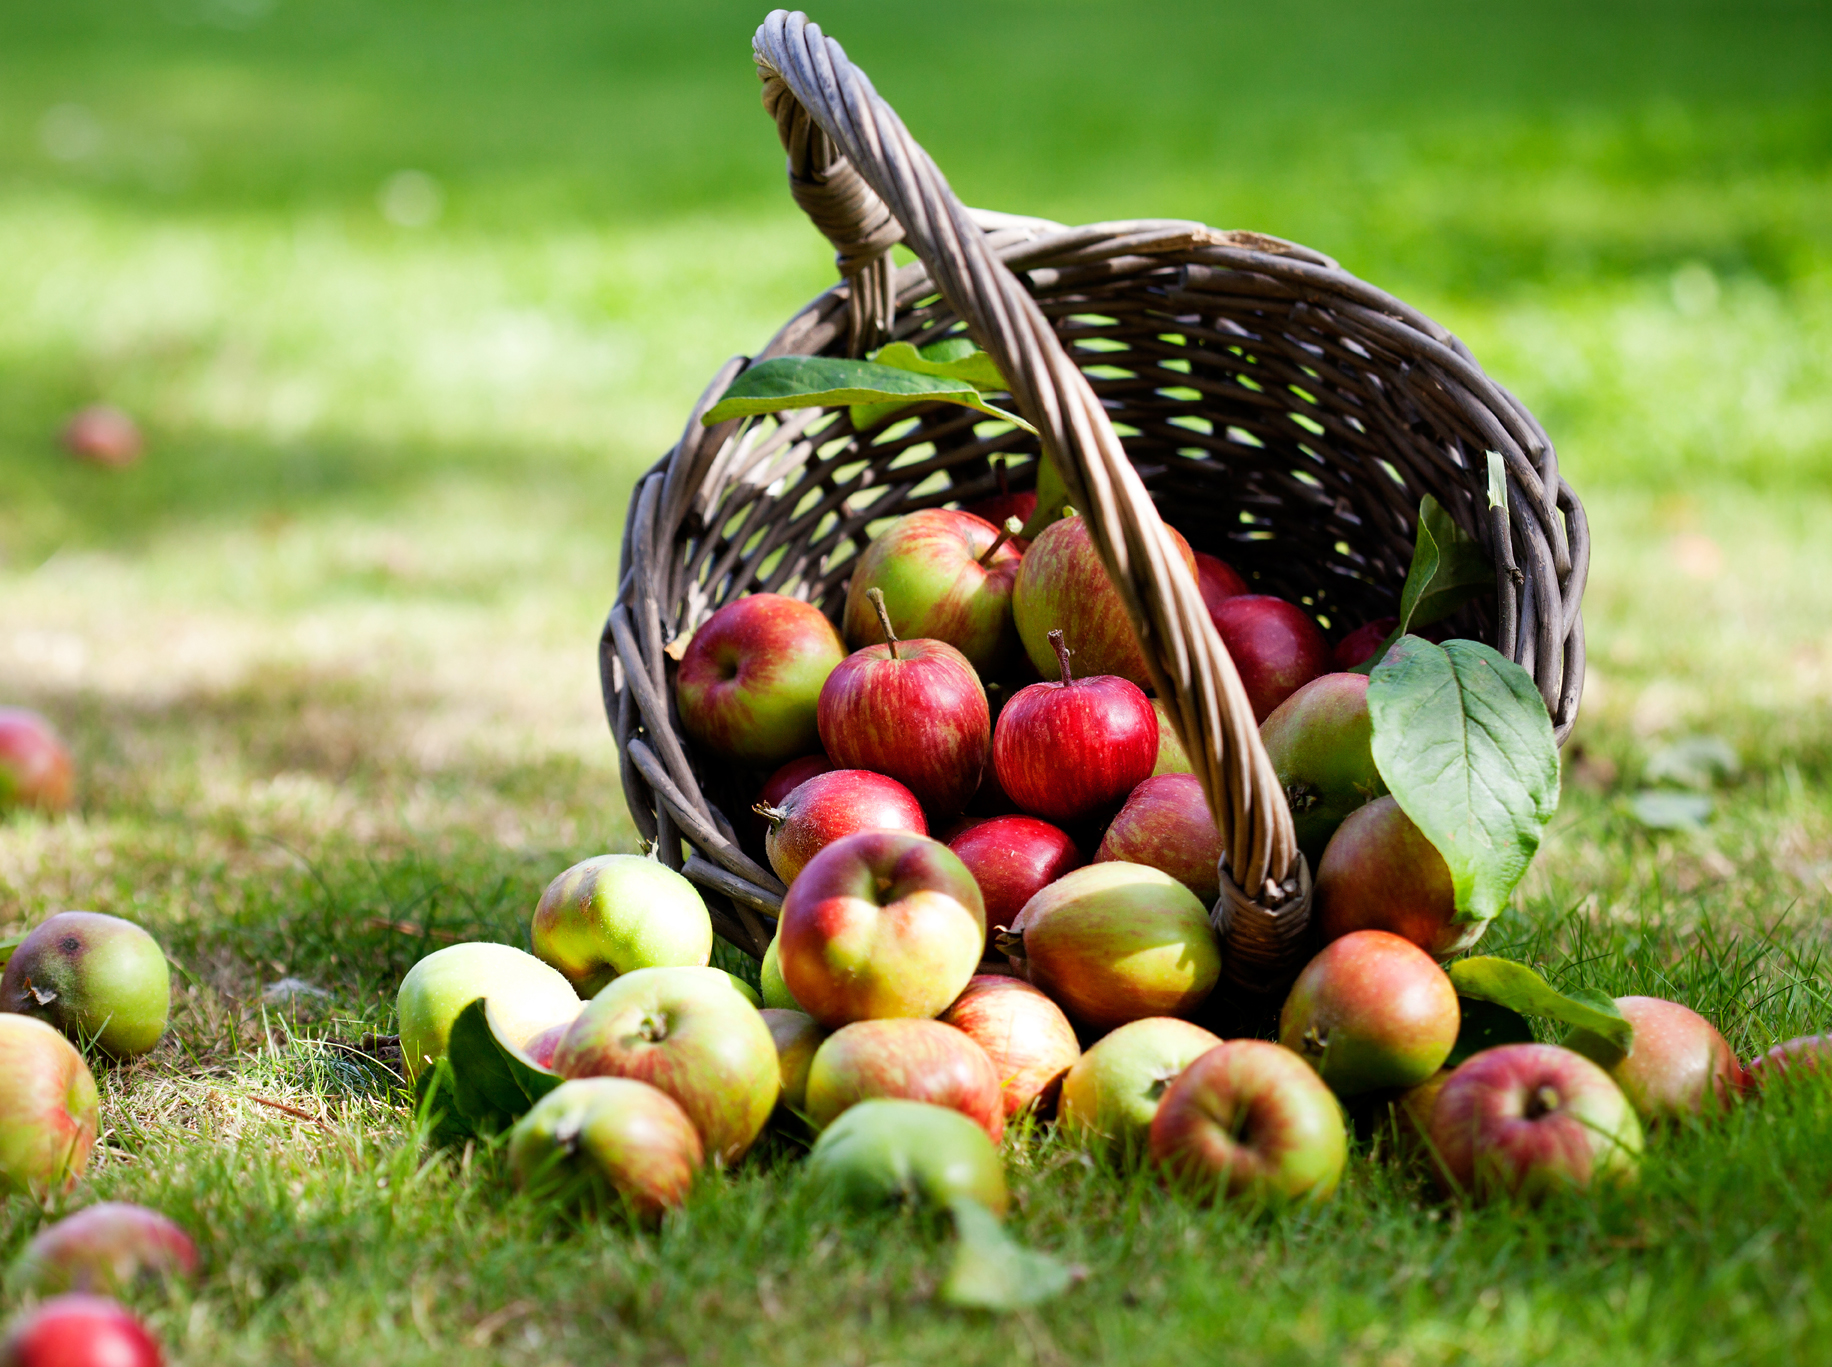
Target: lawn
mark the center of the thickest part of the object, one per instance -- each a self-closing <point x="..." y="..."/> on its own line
<point x="327" y="654"/>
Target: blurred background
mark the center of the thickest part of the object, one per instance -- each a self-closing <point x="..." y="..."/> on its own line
<point x="403" y="296"/>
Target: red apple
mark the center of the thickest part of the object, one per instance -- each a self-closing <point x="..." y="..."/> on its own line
<point x="1526" y="1119"/>
<point x="35" y="767"/>
<point x="797" y="1037"/>
<point x="1275" y="646"/>
<point x="830" y="806"/>
<point x="1321" y="744"/>
<point x="945" y="576"/>
<point x="913" y="710"/>
<point x="1073" y="749"/>
<point x="1117" y="942"/>
<point x="1379" y="872"/>
<point x="1005" y="504"/>
<point x="1360" y="644"/>
<point x="48" y="1108"/>
<point x="1808" y="1056"/>
<point x="779" y="785"/>
<point x="1112" y="1092"/>
<point x="751" y="676"/>
<point x="80" y="1331"/>
<point x="1030" y="1042"/>
<point x="1679" y="1065"/>
<point x="103" y="434"/>
<point x="880" y="924"/>
<point x="916" y="1060"/>
<point x="1062" y="585"/>
<point x="105" y="1248"/>
<point x="1217" y="580"/>
<point x="609" y="1131"/>
<point x="1250" y="1119"/>
<point x="1013" y="858"/>
<point x="1166" y="825"/>
<point x="1371" y="1011"/>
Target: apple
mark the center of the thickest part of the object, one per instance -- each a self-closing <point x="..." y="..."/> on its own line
<point x="48" y="1108"/>
<point x="1358" y="647"/>
<point x="1062" y="585"/>
<point x="526" y="997"/>
<point x="35" y="766"/>
<point x="611" y="1130"/>
<point x="1030" y="1042"/>
<point x="1321" y="744"/>
<point x="1012" y="859"/>
<point x="1807" y="1056"/>
<point x="888" y="1151"/>
<point x="1166" y="825"/>
<point x="750" y="678"/>
<point x="1527" y="1119"/>
<point x="99" y="979"/>
<point x="690" y="1033"/>
<point x="1073" y="749"/>
<point x="1678" y="1065"/>
<point x="1275" y="646"/>
<point x="914" y="710"/>
<point x="1372" y="1010"/>
<point x="778" y="786"/>
<point x="774" y="991"/>
<point x="838" y="803"/>
<point x="1111" y="1092"/>
<point x="103" y="434"/>
<point x="945" y="576"/>
<point x="1250" y="1119"/>
<point x="105" y="1248"/>
<point x="616" y="912"/>
<point x="1379" y="872"/>
<point x="880" y="924"/>
<point x="1172" y="757"/>
<point x="1005" y="504"/>
<point x="80" y="1331"/>
<point x="1117" y="942"/>
<point x="797" y="1036"/>
<point x="918" y="1060"/>
<point x="1410" y="1113"/>
<point x="1218" y="581"/>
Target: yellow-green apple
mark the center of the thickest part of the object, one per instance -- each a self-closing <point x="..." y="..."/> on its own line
<point x="104" y="1248"/>
<point x="80" y="1331"/>
<point x="1218" y="581"/>
<point x="880" y="924"/>
<point x="1062" y="585"/>
<point x="690" y="1033"/>
<point x="104" y="435"/>
<point x="890" y="1151"/>
<point x="99" y="979"/>
<point x="1371" y="1011"/>
<point x="35" y="766"/>
<point x="1072" y="749"/>
<point x="595" y="1132"/>
<point x="750" y="679"/>
<point x="914" y="710"/>
<point x="797" y="1037"/>
<point x="616" y="912"/>
<point x="1678" y="1064"/>
<point x="1030" y="1042"/>
<point x="1116" y="942"/>
<point x="1013" y="858"/>
<point x="1172" y="757"/>
<point x="1379" y="872"/>
<point x="1166" y="825"/>
<point x="1527" y="1119"/>
<point x="1249" y="1119"/>
<point x="1321" y="744"/>
<point x="1360" y="644"/>
<point x="774" y="991"/>
<point x="945" y="576"/>
<point x="1275" y="646"/>
<point x="829" y="806"/>
<point x="48" y="1108"/>
<point x="1809" y="1056"/>
<point x="918" y="1060"/>
<point x="526" y="997"/>
<point x="1111" y="1092"/>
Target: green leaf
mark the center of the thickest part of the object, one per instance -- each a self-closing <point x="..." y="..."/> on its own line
<point x="1661" y="809"/>
<point x="1463" y="740"/>
<point x="9" y="943"/>
<point x="533" y="1080"/>
<point x="1052" y="498"/>
<point x="1448" y="569"/>
<point x="483" y="1088"/>
<point x="1518" y="988"/>
<point x="952" y="358"/>
<point x="1486" y="1025"/>
<point x="993" y="1271"/>
<point x="785" y="382"/>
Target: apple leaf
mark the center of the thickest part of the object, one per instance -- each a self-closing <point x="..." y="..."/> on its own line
<point x="952" y="358"/>
<point x="533" y="1080"/>
<point x="8" y="944"/>
<point x="1052" y="498"/>
<point x="1517" y="987"/>
<point x="992" y="1270"/>
<point x="1486" y="1025"/>
<point x="483" y="1088"/>
<point x="1463" y="740"/>
<point x="1449" y="567"/>
<point x="785" y="382"/>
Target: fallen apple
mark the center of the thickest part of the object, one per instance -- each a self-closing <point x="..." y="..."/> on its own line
<point x="1807" y="1056"/>
<point x="1030" y="1042"/>
<point x="1379" y="872"/>
<point x="105" y="1248"/>
<point x="1012" y="859"/>
<point x="832" y="805"/>
<point x="48" y="1108"/>
<point x="797" y="1036"/>
<point x="1275" y="647"/>
<point x="1371" y="1011"/>
<point x="1321" y="744"/>
<point x="35" y="766"/>
<point x="917" y="1060"/>
<point x="1111" y="1093"/>
<point x="1678" y="1065"/>
<point x="80" y="1331"/>
<point x="616" y="912"/>
<point x="945" y="576"/>
<point x="99" y="979"/>
<point x="750" y="678"/>
<point x="1166" y="825"/>
<point x="104" y="435"/>
<point x="526" y="997"/>
<point x="894" y="1152"/>
<point x="595" y="1132"/>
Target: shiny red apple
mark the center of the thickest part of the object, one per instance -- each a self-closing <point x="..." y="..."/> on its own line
<point x="914" y="1060"/>
<point x="1030" y="1042"/>
<point x="1218" y="581"/>
<point x="1275" y="646"/>
<point x="779" y="785"/>
<point x="1013" y="858"/>
<point x="80" y="1331"/>
<point x="1166" y="825"/>
<point x="1360" y="644"/>
<point x="829" y="806"/>
<point x="751" y="677"/>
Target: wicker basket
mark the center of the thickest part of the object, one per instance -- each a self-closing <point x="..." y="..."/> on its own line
<point x="1275" y="409"/>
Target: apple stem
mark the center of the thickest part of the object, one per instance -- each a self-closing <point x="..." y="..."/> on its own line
<point x="1011" y="528"/>
<point x="774" y="815"/>
<point x="1062" y="656"/>
<point x="998" y="473"/>
<point x="884" y="620"/>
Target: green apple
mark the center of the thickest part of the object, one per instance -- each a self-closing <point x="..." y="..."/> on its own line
<point x="48" y="1108"/>
<point x="526" y="997"/>
<point x="797" y="1037"/>
<point x="97" y="978"/>
<point x="1111" y="1093"/>
<point x="1172" y="757"/>
<point x="609" y="1131"/>
<point x="1321" y="744"/>
<point x="889" y="1151"/>
<point x="776" y="994"/>
<point x="617" y="912"/>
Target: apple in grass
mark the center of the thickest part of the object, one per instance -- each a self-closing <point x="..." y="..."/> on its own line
<point x="1678" y="1064"/>
<point x="617" y="912"/>
<point x="1358" y="647"/>
<point x="527" y="997"/>
<point x="1250" y="1120"/>
<point x="1072" y="749"/>
<point x="880" y="924"/>
<point x="830" y="806"/>
<point x="608" y="1132"/>
<point x="1111" y="1093"/>
<point x="48" y="1108"/>
<point x="1807" y="1056"/>
<point x="1218" y="581"/>
<point x="913" y="710"/>
<point x="750" y="678"/>
<point x="797" y="1038"/>
<point x="1030" y="1042"/>
<point x="1166" y="825"/>
<point x="1371" y="1011"/>
<point x="888" y="1151"/>
<point x="1525" y="1120"/>
<point x="1379" y="872"/>
<point x="99" y="979"/>
<point x="1321" y="744"/>
<point x="105" y="1248"/>
<point x="1275" y="646"/>
<point x="945" y="576"/>
<point x="917" y="1060"/>
<point x="35" y="766"/>
<point x="1012" y="859"/>
<point x="80" y="1331"/>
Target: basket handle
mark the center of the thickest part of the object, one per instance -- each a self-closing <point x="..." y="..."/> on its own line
<point x="867" y="184"/>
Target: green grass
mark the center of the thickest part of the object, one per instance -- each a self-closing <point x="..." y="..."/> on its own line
<point x="326" y="655"/>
